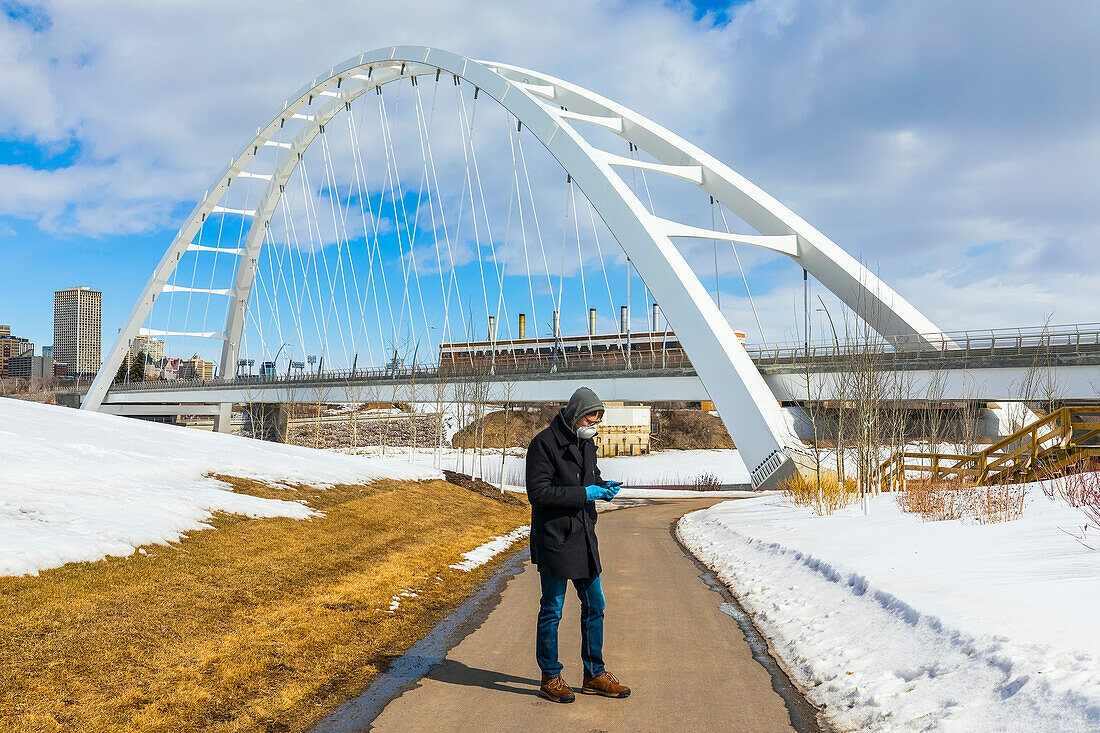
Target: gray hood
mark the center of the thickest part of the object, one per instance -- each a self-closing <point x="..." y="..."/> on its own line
<point x="583" y="402"/>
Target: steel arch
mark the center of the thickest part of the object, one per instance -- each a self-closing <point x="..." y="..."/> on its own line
<point x="548" y="107"/>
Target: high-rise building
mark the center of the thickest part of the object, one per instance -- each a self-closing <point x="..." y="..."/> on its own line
<point x="196" y="368"/>
<point x="153" y="348"/>
<point x="30" y="367"/>
<point x="47" y="352"/>
<point x="154" y="354"/>
<point x="77" y="324"/>
<point x="11" y="347"/>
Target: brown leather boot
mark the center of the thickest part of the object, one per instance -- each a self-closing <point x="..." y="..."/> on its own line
<point x="607" y="685"/>
<point x="554" y="689"/>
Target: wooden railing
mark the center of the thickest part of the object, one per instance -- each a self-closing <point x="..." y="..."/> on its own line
<point x="1051" y="443"/>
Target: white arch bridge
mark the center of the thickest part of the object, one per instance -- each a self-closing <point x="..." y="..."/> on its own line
<point x="311" y="239"/>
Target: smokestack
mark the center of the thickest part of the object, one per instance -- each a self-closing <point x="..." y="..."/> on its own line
<point x="557" y="325"/>
<point x="591" y="321"/>
<point x="656" y="318"/>
<point x="522" y="326"/>
<point x="492" y="329"/>
<point x="624" y="320"/>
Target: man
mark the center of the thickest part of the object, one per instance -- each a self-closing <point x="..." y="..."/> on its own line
<point x="563" y="484"/>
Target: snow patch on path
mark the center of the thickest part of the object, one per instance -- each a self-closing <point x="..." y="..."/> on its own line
<point x="891" y="623"/>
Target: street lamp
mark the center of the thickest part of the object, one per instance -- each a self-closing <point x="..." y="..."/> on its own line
<point x="416" y="346"/>
<point x="824" y="308"/>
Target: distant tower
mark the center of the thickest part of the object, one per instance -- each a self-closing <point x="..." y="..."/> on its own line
<point x="77" y="325"/>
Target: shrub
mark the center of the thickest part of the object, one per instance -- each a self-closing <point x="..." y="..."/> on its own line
<point x="707" y="482"/>
<point x="1082" y="490"/>
<point x="955" y="499"/>
<point x="998" y="503"/>
<point x="804" y="491"/>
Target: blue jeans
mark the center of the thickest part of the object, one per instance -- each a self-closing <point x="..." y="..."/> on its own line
<point x="550" y="605"/>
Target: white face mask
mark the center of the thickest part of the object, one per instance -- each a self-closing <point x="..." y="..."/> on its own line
<point x="586" y="432"/>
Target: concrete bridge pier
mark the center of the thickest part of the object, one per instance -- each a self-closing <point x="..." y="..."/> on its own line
<point x="267" y="421"/>
<point x="223" y="418"/>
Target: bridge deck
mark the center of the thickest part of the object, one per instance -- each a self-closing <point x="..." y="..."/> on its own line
<point x="975" y="371"/>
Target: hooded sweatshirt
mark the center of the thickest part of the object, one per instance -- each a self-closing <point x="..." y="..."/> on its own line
<point x="583" y="402"/>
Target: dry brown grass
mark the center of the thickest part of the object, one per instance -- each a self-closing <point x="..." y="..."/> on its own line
<point x="803" y="491"/>
<point x="955" y="499"/>
<point x="263" y="624"/>
<point x="998" y="503"/>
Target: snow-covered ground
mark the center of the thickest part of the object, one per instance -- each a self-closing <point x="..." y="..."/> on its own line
<point x="81" y="485"/>
<point x="897" y="624"/>
<point x="661" y="468"/>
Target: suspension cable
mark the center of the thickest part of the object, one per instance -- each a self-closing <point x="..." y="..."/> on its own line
<point x="580" y="262"/>
<point x="523" y="235"/>
<point x="446" y="331"/>
<point x="603" y="266"/>
<point x="498" y="265"/>
<point x="333" y="197"/>
<point x="763" y="338"/>
<point x="535" y="217"/>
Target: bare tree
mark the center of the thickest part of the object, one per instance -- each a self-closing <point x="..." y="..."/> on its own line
<point x="439" y="386"/>
<point x="932" y="420"/>
<point x="877" y="392"/>
<point x="508" y="386"/>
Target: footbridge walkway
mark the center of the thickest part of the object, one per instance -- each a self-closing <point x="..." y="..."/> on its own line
<point x="1060" y="363"/>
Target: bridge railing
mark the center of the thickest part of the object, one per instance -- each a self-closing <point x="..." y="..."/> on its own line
<point x="428" y="373"/>
<point x="1038" y="341"/>
<point x="1051" y="443"/>
<point x="953" y="345"/>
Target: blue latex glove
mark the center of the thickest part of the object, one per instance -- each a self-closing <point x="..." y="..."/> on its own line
<point x="614" y="484"/>
<point x="611" y="490"/>
<point x="593" y="492"/>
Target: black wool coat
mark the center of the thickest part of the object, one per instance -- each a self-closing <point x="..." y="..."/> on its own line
<point x="563" y="524"/>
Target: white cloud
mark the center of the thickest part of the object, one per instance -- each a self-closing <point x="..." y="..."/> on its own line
<point x="910" y="133"/>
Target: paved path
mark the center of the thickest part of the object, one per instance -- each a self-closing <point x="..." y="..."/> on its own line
<point x="687" y="663"/>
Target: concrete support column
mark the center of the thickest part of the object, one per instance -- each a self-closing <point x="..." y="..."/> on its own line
<point x="269" y="421"/>
<point x="223" y="420"/>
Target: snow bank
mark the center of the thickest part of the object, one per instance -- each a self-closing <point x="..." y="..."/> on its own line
<point x="662" y="468"/>
<point x="892" y="623"/>
<point x="483" y="553"/>
<point x="79" y="486"/>
<point x="676" y="467"/>
<point x="629" y="493"/>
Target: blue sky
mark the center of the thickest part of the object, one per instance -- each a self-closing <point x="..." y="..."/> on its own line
<point x="951" y="146"/>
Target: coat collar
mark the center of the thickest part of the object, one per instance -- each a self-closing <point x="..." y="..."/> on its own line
<point x="562" y="433"/>
<point x="566" y="438"/>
